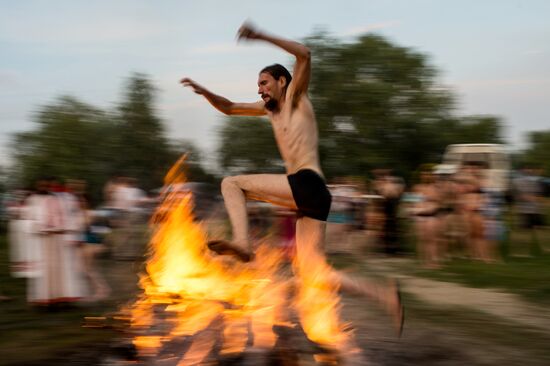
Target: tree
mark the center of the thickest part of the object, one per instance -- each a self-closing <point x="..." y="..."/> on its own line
<point x="378" y="105"/>
<point x="247" y="145"/>
<point x="537" y="153"/>
<point x="194" y="170"/>
<point x="71" y="141"/>
<point x="472" y="129"/>
<point x="143" y="146"/>
<point x="75" y="140"/>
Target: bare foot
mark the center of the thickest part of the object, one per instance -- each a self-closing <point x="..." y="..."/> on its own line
<point x="222" y="247"/>
<point x="395" y="306"/>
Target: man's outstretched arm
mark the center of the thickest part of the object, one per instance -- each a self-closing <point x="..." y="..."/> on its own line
<point x="302" y="67"/>
<point x="223" y="104"/>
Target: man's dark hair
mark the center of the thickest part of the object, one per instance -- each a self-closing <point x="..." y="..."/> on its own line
<point x="277" y="70"/>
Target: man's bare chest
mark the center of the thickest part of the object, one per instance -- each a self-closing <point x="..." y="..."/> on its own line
<point x="288" y="124"/>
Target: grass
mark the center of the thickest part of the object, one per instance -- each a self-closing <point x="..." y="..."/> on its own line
<point x="520" y="271"/>
<point x="528" y="277"/>
<point x="30" y="335"/>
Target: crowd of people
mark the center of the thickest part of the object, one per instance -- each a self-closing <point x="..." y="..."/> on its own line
<point x="55" y="237"/>
<point x="462" y="213"/>
<point x="447" y="213"/>
<point x="456" y="213"/>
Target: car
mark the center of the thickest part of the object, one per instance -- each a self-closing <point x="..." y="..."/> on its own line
<point x="494" y="156"/>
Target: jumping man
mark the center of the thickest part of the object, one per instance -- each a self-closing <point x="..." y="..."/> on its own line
<point x="284" y="100"/>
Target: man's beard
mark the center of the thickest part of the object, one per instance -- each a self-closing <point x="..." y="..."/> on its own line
<point x="271" y="104"/>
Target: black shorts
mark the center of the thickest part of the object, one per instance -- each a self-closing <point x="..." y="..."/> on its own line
<point x="310" y="194"/>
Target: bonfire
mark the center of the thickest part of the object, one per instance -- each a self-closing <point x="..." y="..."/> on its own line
<point x="199" y="308"/>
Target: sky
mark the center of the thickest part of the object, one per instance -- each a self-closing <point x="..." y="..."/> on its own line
<point x="493" y="54"/>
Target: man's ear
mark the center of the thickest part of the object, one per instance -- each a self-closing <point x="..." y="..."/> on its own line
<point x="282" y="82"/>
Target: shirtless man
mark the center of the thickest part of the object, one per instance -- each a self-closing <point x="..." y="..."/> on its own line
<point x="284" y="100"/>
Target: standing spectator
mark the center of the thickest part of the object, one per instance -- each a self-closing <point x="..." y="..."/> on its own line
<point x="473" y="202"/>
<point x="74" y="220"/>
<point x="109" y="192"/>
<point x="451" y="226"/>
<point x="128" y="200"/>
<point x="44" y="212"/>
<point x="22" y="261"/>
<point x="341" y="218"/>
<point x="529" y="191"/>
<point x="391" y="188"/>
<point x="428" y="225"/>
<point x="93" y="247"/>
<point x="494" y="227"/>
<point x="374" y="221"/>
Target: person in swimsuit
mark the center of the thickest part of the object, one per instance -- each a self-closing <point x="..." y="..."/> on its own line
<point x="428" y="222"/>
<point x="284" y="100"/>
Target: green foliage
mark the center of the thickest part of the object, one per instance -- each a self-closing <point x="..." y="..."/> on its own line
<point x="144" y="149"/>
<point x="378" y="104"/>
<point x="247" y="145"/>
<point x="75" y="140"/>
<point x="472" y="129"/>
<point x="194" y="170"/>
<point x="538" y="152"/>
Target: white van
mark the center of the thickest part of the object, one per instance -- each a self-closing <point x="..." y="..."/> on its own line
<point x="494" y="155"/>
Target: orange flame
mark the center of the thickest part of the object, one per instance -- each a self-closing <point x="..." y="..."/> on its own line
<point x="197" y="289"/>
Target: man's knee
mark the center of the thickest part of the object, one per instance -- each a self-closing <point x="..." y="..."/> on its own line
<point x="229" y="183"/>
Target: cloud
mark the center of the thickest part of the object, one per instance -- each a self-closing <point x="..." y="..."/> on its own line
<point x="357" y="31"/>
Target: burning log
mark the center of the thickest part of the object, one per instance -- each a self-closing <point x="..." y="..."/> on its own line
<point x="208" y="347"/>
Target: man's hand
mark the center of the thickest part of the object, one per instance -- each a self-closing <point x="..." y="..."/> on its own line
<point x="247" y="31"/>
<point x="193" y="85"/>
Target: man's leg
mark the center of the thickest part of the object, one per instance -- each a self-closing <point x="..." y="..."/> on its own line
<point x="273" y="188"/>
<point x="317" y="298"/>
<point x="312" y="269"/>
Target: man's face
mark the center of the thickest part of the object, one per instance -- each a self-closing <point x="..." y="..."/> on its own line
<point x="271" y="90"/>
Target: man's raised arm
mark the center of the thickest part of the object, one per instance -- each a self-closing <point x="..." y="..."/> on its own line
<point x="302" y="67"/>
<point x="224" y="105"/>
